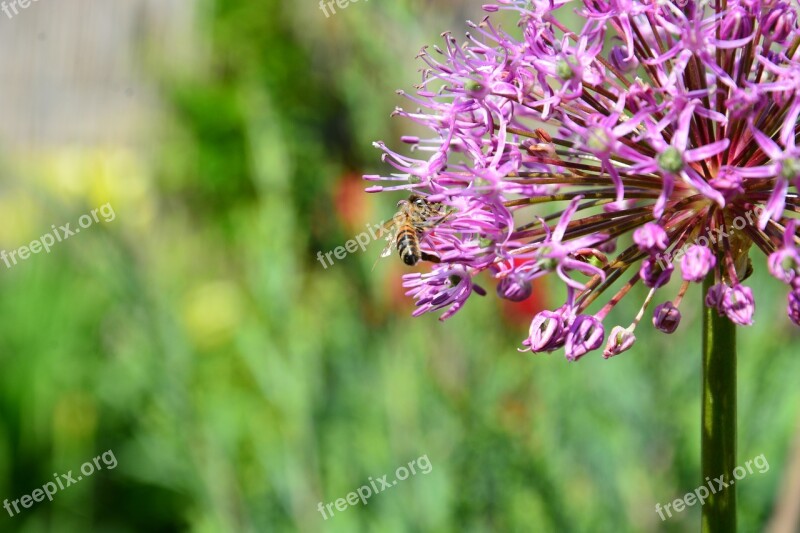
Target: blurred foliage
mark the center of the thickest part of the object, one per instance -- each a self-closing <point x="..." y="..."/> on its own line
<point x="240" y="383"/>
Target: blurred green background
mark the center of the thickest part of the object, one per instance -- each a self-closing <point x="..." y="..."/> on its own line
<point x="237" y="381"/>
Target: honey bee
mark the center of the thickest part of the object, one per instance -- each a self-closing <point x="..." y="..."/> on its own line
<point x="414" y="216"/>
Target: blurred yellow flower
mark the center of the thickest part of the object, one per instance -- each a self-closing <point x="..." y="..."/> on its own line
<point x="211" y="313"/>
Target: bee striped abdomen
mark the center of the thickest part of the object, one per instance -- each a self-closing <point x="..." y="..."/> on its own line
<point x="408" y="245"/>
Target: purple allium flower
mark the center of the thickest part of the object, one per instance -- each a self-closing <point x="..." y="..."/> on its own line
<point x="446" y="286"/>
<point x="548" y="331"/>
<point x="585" y="334"/>
<point x="674" y="124"/>
<point x="623" y="60"/>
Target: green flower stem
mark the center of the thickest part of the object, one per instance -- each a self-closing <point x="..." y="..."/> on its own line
<point x="718" y="440"/>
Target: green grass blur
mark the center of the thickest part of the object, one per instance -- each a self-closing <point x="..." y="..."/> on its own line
<point x="240" y="383"/>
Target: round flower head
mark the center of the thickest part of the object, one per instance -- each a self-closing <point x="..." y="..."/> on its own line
<point x="659" y="132"/>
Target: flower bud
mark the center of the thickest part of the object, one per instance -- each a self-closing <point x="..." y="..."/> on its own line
<point x="688" y="7"/>
<point x="779" y="23"/>
<point x="621" y="61"/>
<point x="737" y="24"/>
<point x="738" y="305"/>
<point x="585" y="334"/>
<point x="716" y="295"/>
<point x="514" y="288"/>
<point x="651" y="238"/>
<point x="619" y="340"/>
<point x="655" y="273"/>
<point x="697" y="262"/>
<point x="666" y="317"/>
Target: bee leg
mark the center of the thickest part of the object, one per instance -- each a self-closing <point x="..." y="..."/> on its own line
<point x="430" y="257"/>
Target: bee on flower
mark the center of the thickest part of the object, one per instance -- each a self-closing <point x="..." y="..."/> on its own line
<point x="590" y="156"/>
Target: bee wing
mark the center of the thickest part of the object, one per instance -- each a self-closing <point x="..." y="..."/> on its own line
<point x="388" y="230"/>
<point x="387" y="250"/>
